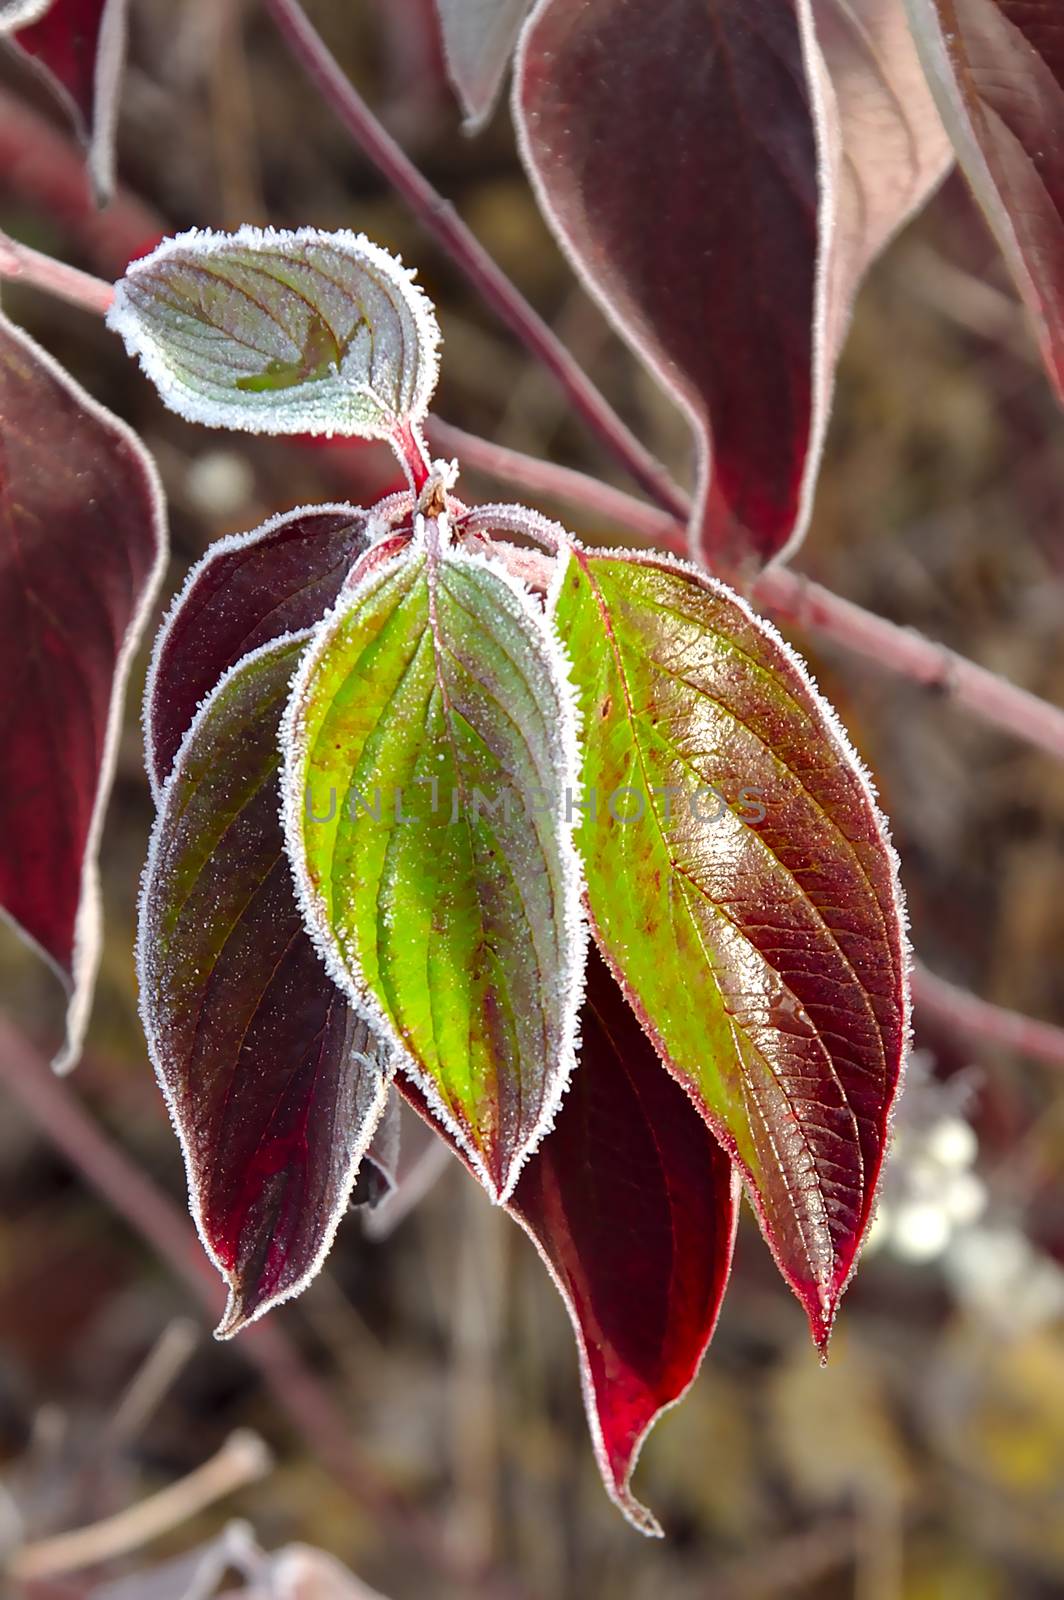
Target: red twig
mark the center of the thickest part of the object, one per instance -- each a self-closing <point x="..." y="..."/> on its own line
<point x="59" y="1116"/>
<point x="984" y="1023"/>
<point x="440" y="219"/>
<point x="787" y="594"/>
<point x="55" y="277"/>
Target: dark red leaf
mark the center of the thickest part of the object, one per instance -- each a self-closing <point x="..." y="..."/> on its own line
<point x="275" y="1087"/>
<point x="632" y="1205"/>
<point x="79" y="46"/>
<point x="248" y="589"/>
<point x="674" y="150"/>
<point x="781" y="156"/>
<point x="82" y="545"/>
<point x="997" y="69"/>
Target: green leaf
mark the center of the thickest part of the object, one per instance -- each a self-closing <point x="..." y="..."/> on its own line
<point x="758" y="930"/>
<point x="279" y="332"/>
<point x="431" y="754"/>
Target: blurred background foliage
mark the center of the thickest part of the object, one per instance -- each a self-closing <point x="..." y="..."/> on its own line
<point x="927" y="1460"/>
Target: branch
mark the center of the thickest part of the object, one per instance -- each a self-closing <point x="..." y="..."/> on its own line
<point x="787" y="594"/>
<point x="791" y="597"/>
<point x="313" y="1413"/>
<point x="440" y="219"/>
<point x="243" y="1459"/>
<point x="984" y="1023"/>
<point x="54" y="277"/>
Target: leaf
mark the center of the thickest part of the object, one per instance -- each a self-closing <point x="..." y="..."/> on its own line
<point x="997" y="71"/>
<point x="249" y="588"/>
<point x="478" y="40"/>
<point x="79" y="48"/>
<point x="632" y="1206"/>
<point x="280" y="332"/>
<point x="274" y="1086"/>
<point x="773" y="190"/>
<point x="894" y="149"/>
<point x="758" y="930"/>
<point x="705" y="106"/>
<point x="82" y="548"/>
<point x="430" y="708"/>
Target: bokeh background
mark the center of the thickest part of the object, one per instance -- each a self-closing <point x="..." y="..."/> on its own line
<point x="927" y="1459"/>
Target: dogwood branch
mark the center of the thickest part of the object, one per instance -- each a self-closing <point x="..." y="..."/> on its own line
<point x="984" y="1023"/>
<point x="55" y="277"/>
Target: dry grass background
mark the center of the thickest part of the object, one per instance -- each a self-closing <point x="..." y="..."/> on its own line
<point x="928" y="1459"/>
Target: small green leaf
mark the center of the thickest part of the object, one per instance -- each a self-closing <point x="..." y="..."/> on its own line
<point x="744" y="892"/>
<point x="278" y="332"/>
<point x="431" y="755"/>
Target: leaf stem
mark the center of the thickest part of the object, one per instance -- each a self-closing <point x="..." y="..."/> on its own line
<point x="440" y="219"/>
<point x="410" y="449"/>
<point x="18" y="261"/>
<point x="788" y="595"/>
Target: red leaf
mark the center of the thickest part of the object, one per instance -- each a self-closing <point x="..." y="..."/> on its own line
<point x="632" y="1205"/>
<point x="82" y="546"/>
<point x="997" y="69"/>
<point x="275" y="1087"/>
<point x="776" y="177"/>
<point x="674" y="152"/>
<point x="248" y="589"/>
<point x="759" y="931"/>
<point x="79" y="47"/>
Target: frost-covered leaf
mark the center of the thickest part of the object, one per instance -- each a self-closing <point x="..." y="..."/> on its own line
<point x="82" y="546"/>
<point x="893" y="148"/>
<point x="744" y="892"/>
<point x="478" y="40"/>
<point x="249" y="588"/>
<point x="632" y="1205"/>
<point x="701" y="110"/>
<point x="430" y="711"/>
<point x="278" y="332"/>
<point x="274" y="1086"/>
<point x="772" y="191"/>
<point x="997" y="71"/>
<point x="79" y="47"/>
